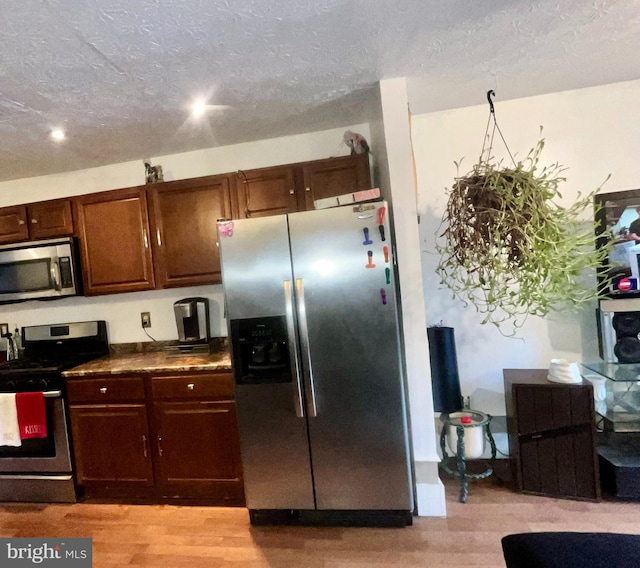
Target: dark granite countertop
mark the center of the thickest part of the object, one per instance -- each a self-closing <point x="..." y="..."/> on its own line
<point x="150" y="357"/>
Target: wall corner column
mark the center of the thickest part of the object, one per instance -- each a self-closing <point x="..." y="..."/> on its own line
<point x="399" y="154"/>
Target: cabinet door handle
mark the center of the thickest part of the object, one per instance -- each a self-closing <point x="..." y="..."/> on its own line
<point x="103" y="390"/>
<point x="20" y="221"/>
<point x="146" y="239"/>
<point x="307" y="189"/>
<point x="160" y="445"/>
<point x="34" y="220"/>
<point x="145" y="447"/>
<point x="191" y="386"/>
<point x="159" y="238"/>
<point x="292" y="191"/>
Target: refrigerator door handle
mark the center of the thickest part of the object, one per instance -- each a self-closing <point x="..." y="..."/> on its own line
<point x="293" y="350"/>
<point x="312" y="409"/>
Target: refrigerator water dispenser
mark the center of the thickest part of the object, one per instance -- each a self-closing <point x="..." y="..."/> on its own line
<point x="260" y="350"/>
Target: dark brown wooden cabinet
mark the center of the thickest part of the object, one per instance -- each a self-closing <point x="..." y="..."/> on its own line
<point x="184" y="215"/>
<point x="111" y="444"/>
<point x="295" y="187"/>
<point x="157" y="437"/>
<point x="335" y="176"/>
<point x="551" y="428"/>
<point x="113" y="231"/>
<point x="267" y="191"/>
<point x="110" y="434"/>
<point x="13" y="224"/>
<point x="48" y="219"/>
<point x="34" y="221"/>
<point x="198" y="452"/>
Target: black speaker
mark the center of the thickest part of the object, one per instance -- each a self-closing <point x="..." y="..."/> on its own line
<point x="627" y="328"/>
<point x="444" y="369"/>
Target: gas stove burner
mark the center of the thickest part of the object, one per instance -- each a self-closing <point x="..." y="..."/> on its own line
<point x="29" y="364"/>
<point x="51" y="349"/>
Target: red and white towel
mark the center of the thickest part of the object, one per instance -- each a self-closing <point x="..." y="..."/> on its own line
<point x="9" y="430"/>
<point x="32" y="415"/>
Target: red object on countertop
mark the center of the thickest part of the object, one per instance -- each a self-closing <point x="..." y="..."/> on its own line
<point x="466" y="420"/>
<point x="32" y="415"/>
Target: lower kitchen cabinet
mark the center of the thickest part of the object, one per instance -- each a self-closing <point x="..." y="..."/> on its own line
<point x="198" y="449"/>
<point x="157" y="437"/>
<point x="111" y="444"/>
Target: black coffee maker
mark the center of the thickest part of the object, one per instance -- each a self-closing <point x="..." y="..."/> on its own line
<point x="192" y="321"/>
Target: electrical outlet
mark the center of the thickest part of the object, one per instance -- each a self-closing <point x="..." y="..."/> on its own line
<point x="4" y="329"/>
<point x="146" y="319"/>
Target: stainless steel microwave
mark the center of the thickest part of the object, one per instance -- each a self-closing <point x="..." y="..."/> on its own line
<point x="38" y="270"/>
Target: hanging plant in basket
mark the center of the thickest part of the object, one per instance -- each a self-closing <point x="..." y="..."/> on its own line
<point x="509" y="248"/>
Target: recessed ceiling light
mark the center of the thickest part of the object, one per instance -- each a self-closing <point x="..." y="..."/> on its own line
<point x="198" y="108"/>
<point x="58" y="134"/>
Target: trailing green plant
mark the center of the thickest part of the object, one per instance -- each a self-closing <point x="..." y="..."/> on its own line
<point x="509" y="249"/>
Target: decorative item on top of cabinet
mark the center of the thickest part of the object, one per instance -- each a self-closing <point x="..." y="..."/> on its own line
<point x="113" y="232"/>
<point x="152" y="174"/>
<point x="33" y="221"/>
<point x="183" y="216"/>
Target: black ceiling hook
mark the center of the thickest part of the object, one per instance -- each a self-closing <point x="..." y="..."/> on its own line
<point x="490" y="94"/>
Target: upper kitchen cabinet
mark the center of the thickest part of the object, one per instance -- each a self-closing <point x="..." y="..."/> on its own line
<point x="113" y="232"/>
<point x="184" y="215"/>
<point x="266" y="191"/>
<point x="335" y="176"/>
<point x="49" y="219"/>
<point x="295" y="187"/>
<point x="13" y="224"/>
<point x="42" y="220"/>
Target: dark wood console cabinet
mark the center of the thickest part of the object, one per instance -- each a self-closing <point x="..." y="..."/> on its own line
<point x="551" y="428"/>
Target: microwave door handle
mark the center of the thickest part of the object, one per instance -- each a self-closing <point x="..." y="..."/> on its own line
<point x="293" y="350"/>
<point x="55" y="275"/>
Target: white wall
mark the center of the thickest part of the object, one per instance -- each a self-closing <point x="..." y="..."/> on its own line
<point x="122" y="311"/>
<point x="593" y="132"/>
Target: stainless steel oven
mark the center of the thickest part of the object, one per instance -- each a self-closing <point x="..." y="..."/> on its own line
<point x="41" y="469"/>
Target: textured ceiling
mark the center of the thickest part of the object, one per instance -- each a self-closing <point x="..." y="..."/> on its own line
<point x="118" y="74"/>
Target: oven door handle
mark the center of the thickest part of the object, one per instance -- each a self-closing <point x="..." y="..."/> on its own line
<point x="52" y="394"/>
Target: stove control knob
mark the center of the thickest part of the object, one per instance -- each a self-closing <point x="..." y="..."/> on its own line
<point x="43" y="383"/>
<point x="11" y="385"/>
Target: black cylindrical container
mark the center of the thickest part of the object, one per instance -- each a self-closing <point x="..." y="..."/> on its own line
<point x="444" y="369"/>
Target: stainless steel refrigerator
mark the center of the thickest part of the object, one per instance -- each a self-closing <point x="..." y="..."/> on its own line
<point x="316" y="347"/>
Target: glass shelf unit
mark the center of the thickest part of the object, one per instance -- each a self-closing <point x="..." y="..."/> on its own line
<point x="620" y="409"/>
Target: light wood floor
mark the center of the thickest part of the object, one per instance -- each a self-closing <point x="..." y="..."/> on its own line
<point x="195" y="537"/>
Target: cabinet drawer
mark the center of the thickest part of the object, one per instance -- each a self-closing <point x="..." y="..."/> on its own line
<point x="105" y="390"/>
<point x="540" y="408"/>
<point x="193" y="386"/>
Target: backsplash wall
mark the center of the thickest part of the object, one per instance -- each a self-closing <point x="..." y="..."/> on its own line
<point x="121" y="312"/>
